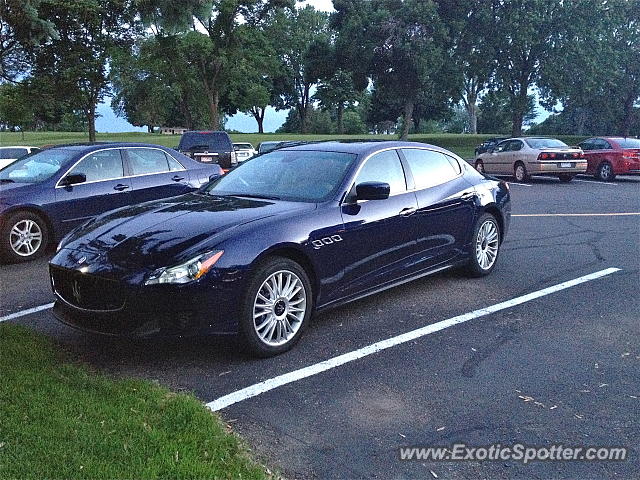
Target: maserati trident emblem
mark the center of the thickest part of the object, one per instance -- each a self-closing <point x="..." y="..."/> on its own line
<point x="82" y="260"/>
<point x="75" y="290"/>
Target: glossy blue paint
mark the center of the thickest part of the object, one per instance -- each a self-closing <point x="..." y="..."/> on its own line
<point x="349" y="248"/>
<point x="65" y="208"/>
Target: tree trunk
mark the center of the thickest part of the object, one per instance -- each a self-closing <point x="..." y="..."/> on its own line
<point x="214" y="111"/>
<point x="582" y="120"/>
<point x="407" y="119"/>
<point x="473" y="118"/>
<point x="340" y="118"/>
<point x="258" y="114"/>
<point x="91" y="122"/>
<point x="625" y="127"/>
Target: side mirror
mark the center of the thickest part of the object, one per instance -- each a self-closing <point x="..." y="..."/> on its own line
<point x="73" y="179"/>
<point x="373" y="191"/>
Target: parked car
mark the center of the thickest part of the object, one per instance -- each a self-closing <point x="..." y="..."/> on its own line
<point x="488" y="145"/>
<point x="8" y="155"/>
<point x="611" y="156"/>
<point x="244" y="151"/>
<point x="45" y="195"/>
<point x="290" y="232"/>
<point x="526" y="156"/>
<point x="266" y="147"/>
<point x="209" y="147"/>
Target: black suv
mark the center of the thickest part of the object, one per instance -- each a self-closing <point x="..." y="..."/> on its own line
<point x="209" y="147"/>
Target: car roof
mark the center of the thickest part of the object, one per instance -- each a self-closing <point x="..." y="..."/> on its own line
<point x="16" y="146"/>
<point x="89" y="147"/>
<point x="361" y="147"/>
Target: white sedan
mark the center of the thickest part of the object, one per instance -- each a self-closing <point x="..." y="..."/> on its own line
<point x="244" y="151"/>
<point x="8" y="155"/>
<point x="526" y="156"/>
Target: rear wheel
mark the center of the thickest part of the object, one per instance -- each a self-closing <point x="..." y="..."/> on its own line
<point x="277" y="307"/>
<point x="485" y="246"/>
<point x="23" y="237"/>
<point x="520" y="172"/>
<point x="605" y="172"/>
<point x="565" y="177"/>
<point x="480" y="166"/>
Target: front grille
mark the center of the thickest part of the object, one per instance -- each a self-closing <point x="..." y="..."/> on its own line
<point x="88" y="292"/>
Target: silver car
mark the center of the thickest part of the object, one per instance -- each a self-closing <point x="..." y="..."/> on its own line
<point x="244" y="151"/>
<point x="526" y="156"/>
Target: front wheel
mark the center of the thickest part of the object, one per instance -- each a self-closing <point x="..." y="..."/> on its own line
<point x="485" y="246"/>
<point x="277" y="307"/>
<point x="23" y="237"/>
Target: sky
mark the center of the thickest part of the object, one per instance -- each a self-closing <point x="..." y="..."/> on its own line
<point x="109" y="122"/>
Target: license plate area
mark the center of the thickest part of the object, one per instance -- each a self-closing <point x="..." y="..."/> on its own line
<point x="566" y="165"/>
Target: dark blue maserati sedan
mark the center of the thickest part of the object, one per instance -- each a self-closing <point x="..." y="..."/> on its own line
<point x="285" y="234"/>
<point x="45" y="195"/>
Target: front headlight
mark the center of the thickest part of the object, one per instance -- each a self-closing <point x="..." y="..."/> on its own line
<point x="187" y="271"/>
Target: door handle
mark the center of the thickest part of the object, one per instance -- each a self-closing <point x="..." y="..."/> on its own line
<point x="177" y="178"/>
<point x="120" y="187"/>
<point x="407" y="212"/>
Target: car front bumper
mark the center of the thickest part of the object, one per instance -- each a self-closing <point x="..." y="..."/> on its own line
<point x="126" y="307"/>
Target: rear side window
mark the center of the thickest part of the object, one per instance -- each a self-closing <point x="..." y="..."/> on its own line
<point x="13" y="152"/>
<point x="429" y="168"/>
<point x="384" y="167"/>
<point x="174" y="164"/>
<point x="144" y="161"/>
<point x="101" y="165"/>
<point x="586" y="145"/>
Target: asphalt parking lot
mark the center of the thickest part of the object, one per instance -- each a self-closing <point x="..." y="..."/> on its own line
<point x="563" y="368"/>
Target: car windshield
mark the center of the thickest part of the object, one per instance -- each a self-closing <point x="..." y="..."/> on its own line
<point x="212" y="140"/>
<point x="243" y="146"/>
<point x="628" y="142"/>
<point x="37" y="167"/>
<point x="295" y="175"/>
<point x="9" y="153"/>
<point x="545" y="143"/>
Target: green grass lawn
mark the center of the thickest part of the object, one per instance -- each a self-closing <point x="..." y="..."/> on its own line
<point x="61" y="420"/>
<point x="461" y="144"/>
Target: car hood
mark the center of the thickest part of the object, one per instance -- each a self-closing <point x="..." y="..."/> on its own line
<point x="165" y="232"/>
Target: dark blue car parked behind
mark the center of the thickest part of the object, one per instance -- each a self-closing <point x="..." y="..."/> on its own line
<point x="285" y="234"/>
<point x="45" y="195"/>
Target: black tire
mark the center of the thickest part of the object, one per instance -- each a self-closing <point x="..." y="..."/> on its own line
<point x="520" y="172"/>
<point x="480" y="166"/>
<point x="249" y="337"/>
<point x="566" y="177"/>
<point x="23" y="218"/>
<point x="474" y="268"/>
<point x="605" y="172"/>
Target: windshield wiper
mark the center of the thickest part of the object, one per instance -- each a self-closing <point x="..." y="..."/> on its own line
<point x="251" y="195"/>
<point x="7" y="180"/>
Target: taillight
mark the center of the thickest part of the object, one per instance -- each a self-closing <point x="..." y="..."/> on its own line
<point x="543" y="156"/>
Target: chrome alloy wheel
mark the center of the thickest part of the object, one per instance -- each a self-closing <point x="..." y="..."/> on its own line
<point x="279" y="308"/>
<point x="521" y="173"/>
<point x="487" y="244"/>
<point x="25" y="237"/>
<point x="605" y="171"/>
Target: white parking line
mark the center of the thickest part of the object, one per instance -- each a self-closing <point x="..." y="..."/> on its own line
<point x="521" y="184"/>
<point x="622" y="214"/>
<point x="272" y="383"/>
<point x="597" y="182"/>
<point x="28" y="311"/>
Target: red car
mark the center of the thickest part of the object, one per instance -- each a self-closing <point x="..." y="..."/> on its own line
<point x="611" y="156"/>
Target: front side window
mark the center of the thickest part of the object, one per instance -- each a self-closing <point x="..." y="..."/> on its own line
<point x="37" y="167"/>
<point x="100" y="165"/>
<point x="295" y="175"/>
<point x="384" y="167"/>
<point x="586" y="145"/>
<point x="144" y="161"/>
<point x="602" y="144"/>
<point x="502" y="147"/>
<point x="429" y="168"/>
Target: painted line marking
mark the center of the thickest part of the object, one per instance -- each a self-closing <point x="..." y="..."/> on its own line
<point x="28" y="311"/>
<point x="594" y="181"/>
<point x="624" y="214"/>
<point x="521" y="184"/>
<point x="275" y="382"/>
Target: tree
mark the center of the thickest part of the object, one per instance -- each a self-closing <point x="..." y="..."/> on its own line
<point x="303" y="46"/>
<point x="526" y="32"/>
<point x="495" y="112"/>
<point x="16" y="107"/>
<point x="212" y="55"/>
<point x="337" y="92"/>
<point x="75" y="64"/>
<point x="21" y="27"/>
